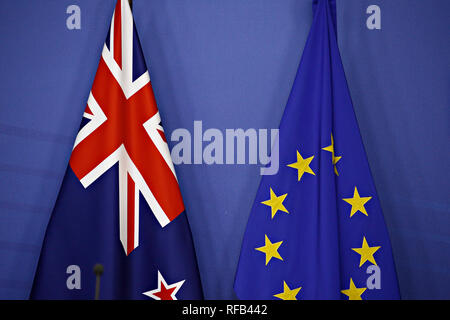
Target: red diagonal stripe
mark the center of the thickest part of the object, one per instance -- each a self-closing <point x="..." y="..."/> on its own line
<point x="130" y="214"/>
<point x="118" y="34"/>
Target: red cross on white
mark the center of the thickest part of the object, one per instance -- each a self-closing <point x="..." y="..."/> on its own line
<point x="125" y="128"/>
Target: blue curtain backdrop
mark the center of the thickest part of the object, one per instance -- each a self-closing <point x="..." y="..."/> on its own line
<point x="231" y="64"/>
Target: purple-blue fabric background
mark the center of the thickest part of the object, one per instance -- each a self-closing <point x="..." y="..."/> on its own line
<point x="231" y="64"/>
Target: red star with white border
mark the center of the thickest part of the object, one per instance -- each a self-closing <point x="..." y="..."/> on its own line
<point x="164" y="291"/>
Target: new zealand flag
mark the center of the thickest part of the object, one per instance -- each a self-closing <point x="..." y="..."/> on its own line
<point x="120" y="204"/>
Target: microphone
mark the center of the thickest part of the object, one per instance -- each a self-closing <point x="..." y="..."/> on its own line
<point x="98" y="271"/>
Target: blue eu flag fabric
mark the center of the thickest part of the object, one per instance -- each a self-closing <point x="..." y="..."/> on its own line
<point x="119" y="204"/>
<point x="316" y="229"/>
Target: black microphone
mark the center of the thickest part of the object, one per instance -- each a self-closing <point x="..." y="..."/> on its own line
<point x="98" y="271"/>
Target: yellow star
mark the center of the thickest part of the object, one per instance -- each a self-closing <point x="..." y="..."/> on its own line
<point x="276" y="202"/>
<point x="353" y="293"/>
<point x="357" y="203"/>
<point x="334" y="159"/>
<point x="270" y="249"/>
<point x="287" y="293"/>
<point x="302" y="165"/>
<point x="366" y="252"/>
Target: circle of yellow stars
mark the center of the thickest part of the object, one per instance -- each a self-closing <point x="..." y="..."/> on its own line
<point x="353" y="293"/>
<point x="288" y="293"/>
<point x="302" y="165"/>
<point x="357" y="202"/>
<point x="270" y="249"/>
<point x="334" y="159"/>
<point x="276" y="203"/>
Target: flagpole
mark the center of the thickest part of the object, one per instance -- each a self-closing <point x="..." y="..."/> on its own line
<point x="98" y="271"/>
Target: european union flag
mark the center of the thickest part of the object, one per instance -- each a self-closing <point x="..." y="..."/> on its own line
<point x="316" y="229"/>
